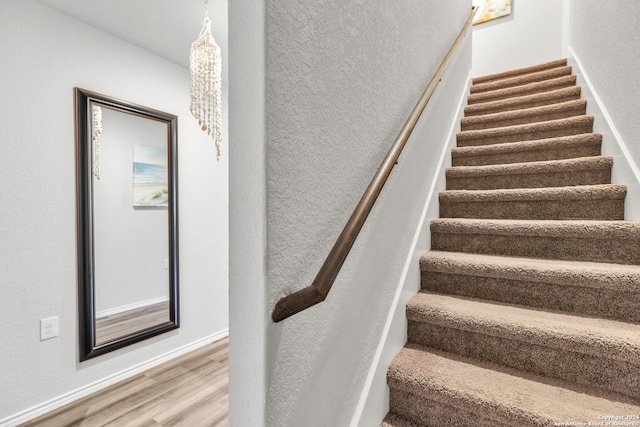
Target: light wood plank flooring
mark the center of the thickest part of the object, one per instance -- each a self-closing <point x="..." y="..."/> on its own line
<point x="122" y="324"/>
<point x="191" y="390"/>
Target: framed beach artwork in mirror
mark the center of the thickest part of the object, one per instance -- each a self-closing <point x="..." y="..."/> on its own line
<point x="150" y="176"/>
<point x="127" y="216"/>
<point x="489" y="10"/>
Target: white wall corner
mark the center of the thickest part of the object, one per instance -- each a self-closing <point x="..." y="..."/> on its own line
<point x="625" y="170"/>
<point x="247" y="213"/>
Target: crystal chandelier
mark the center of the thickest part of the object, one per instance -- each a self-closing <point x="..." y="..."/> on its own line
<point x="206" y="83"/>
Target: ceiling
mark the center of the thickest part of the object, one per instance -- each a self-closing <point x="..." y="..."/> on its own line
<point x="164" y="27"/>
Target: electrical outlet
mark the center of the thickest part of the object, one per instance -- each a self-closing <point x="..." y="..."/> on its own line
<point x="48" y="328"/>
<point x="166" y="264"/>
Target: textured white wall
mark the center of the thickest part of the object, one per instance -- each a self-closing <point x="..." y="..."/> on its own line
<point x="248" y="311"/>
<point x="605" y="38"/>
<point x="342" y="77"/>
<point x="532" y="34"/>
<point x="45" y="55"/>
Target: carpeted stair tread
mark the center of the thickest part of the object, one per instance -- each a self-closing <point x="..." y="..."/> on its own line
<point x="567" y="147"/>
<point x="604" y="338"/>
<point x="473" y="389"/>
<point x="521" y="80"/>
<point x="395" y="420"/>
<point x="528" y="89"/>
<point x="588" y="288"/>
<point x="526" y="132"/>
<point x="586" y="350"/>
<point x="551" y="173"/>
<point x="527" y="115"/>
<point x="600" y="202"/>
<point x="527" y="101"/>
<point x="587" y="229"/>
<point x="596" y="241"/>
<point x="520" y="71"/>
<point x="616" y="277"/>
<point x="584" y="192"/>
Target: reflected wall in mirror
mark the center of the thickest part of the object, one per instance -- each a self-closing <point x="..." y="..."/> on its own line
<point x="127" y="222"/>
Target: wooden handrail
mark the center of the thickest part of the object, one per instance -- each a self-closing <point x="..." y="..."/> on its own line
<point x="318" y="290"/>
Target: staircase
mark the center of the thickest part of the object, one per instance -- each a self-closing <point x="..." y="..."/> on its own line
<point x="529" y="313"/>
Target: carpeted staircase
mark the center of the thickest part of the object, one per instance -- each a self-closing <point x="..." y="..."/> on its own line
<point x="529" y="313"/>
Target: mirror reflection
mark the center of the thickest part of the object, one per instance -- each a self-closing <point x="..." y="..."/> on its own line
<point x="127" y="222"/>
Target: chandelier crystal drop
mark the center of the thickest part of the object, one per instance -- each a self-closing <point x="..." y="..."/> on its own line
<point x="206" y="83"/>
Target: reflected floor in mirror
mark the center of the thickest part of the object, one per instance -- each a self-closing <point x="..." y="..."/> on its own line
<point x="129" y="322"/>
<point x="190" y="390"/>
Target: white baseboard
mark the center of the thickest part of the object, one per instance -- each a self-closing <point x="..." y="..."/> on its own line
<point x="625" y="170"/>
<point x="84" y="391"/>
<point x="135" y="305"/>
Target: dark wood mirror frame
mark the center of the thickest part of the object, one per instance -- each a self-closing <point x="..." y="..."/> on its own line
<point x="88" y="348"/>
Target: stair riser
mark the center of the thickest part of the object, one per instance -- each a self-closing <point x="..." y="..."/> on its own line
<point x="559" y="363"/>
<point x="478" y="109"/>
<point x="530" y="180"/>
<point x="610" y="209"/>
<point x="527" y="156"/>
<point x="590" y="301"/>
<point x="532" y="135"/>
<point x="426" y="412"/>
<point x="520" y="71"/>
<point x="521" y="91"/>
<point x="620" y="251"/>
<point x="521" y="80"/>
<point x="477" y="124"/>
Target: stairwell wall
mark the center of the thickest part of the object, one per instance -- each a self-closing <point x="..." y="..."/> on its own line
<point x="604" y="41"/>
<point x="340" y="80"/>
<point x="531" y="34"/>
<point x="605" y="37"/>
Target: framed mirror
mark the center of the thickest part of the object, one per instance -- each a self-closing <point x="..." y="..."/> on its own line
<point x="127" y="216"/>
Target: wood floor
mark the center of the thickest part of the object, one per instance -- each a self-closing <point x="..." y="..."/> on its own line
<point x="122" y="324"/>
<point x="191" y="390"/>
